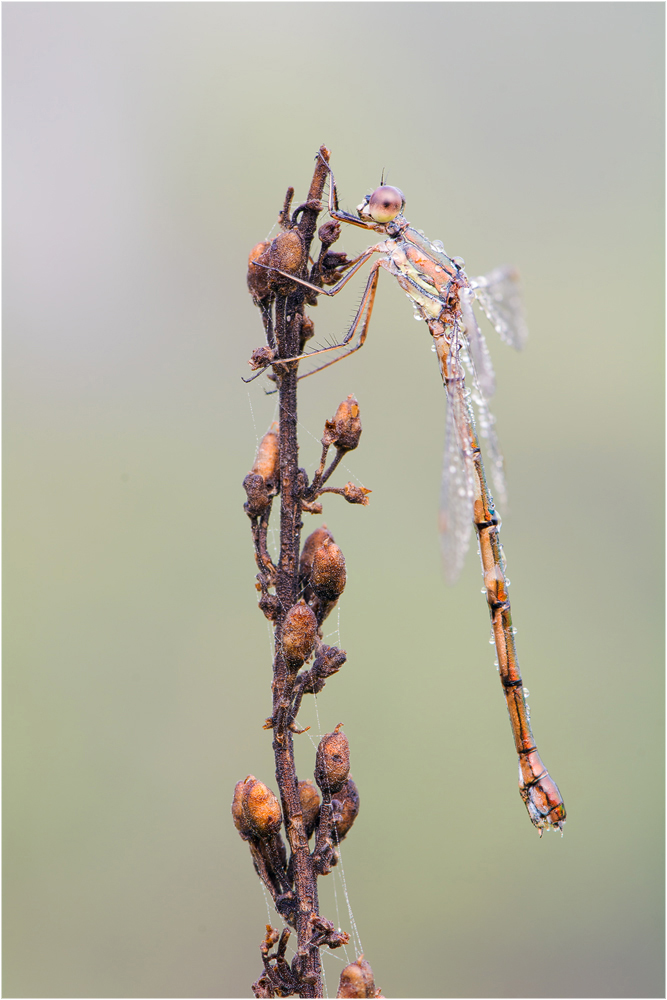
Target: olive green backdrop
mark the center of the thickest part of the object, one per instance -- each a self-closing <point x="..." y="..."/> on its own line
<point x="147" y="148"/>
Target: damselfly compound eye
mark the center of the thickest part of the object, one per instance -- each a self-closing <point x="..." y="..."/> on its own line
<point x="385" y="204"/>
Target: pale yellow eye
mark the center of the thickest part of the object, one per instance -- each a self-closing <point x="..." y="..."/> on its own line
<point x="385" y="204"/>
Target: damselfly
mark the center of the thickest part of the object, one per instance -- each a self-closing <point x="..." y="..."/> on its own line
<point x="441" y="294"/>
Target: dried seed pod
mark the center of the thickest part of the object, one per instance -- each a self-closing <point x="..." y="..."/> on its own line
<point x="258" y="496"/>
<point x="310" y="806"/>
<point x="328" y="233"/>
<point x="328" y="661"/>
<point x="327" y="575"/>
<point x="310" y="547"/>
<point x="258" y="277"/>
<point x="261" y="357"/>
<point x="307" y="331"/>
<point x="356" y="980"/>
<point x="332" y="762"/>
<point x="344" y="429"/>
<point x="356" y="494"/>
<point x="260" y="807"/>
<point x="267" y="460"/>
<point x="299" y="634"/>
<point x="329" y="263"/>
<point x="286" y="251"/>
<point x="345" y="809"/>
<point x="240" y="821"/>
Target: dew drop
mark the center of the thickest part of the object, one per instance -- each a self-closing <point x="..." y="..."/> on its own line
<point x="439" y="245"/>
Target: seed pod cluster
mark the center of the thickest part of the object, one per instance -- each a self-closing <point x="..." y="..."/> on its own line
<point x="332" y="762"/>
<point x="356" y="980"/>
<point x="344" y="429"/>
<point x="299" y="634"/>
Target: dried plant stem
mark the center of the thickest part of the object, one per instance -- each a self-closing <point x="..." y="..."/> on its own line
<point x="307" y="582"/>
<point x="287" y="584"/>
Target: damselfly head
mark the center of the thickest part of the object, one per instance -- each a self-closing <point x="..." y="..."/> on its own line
<point x="383" y="205"/>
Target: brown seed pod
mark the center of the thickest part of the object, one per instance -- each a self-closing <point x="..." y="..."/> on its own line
<point x="327" y="575"/>
<point x="332" y="762"/>
<point x="310" y="546"/>
<point x="258" y="277"/>
<point x="356" y="494"/>
<point x="258" y="496"/>
<point x="344" y="429"/>
<point x="260" y="808"/>
<point x="299" y="634"/>
<point x="328" y="233"/>
<point x="307" y="331"/>
<point x="345" y="809"/>
<point x="310" y="806"/>
<point x="267" y="460"/>
<point x="286" y="251"/>
<point x="240" y="821"/>
<point x="356" y="980"/>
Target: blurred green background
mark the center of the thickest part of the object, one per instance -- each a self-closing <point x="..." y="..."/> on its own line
<point x="147" y="148"/>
